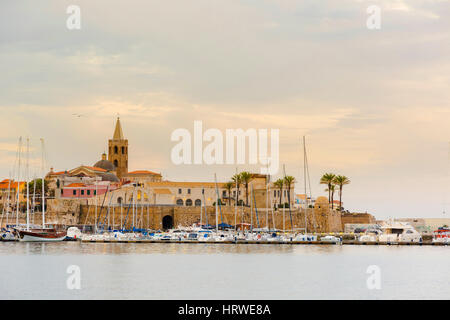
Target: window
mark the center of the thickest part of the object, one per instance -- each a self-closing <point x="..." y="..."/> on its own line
<point x="179" y="191"/>
<point x="119" y="200"/>
<point x="116" y="150"/>
<point x="123" y="150"/>
<point x="198" y="203"/>
<point x="89" y="192"/>
<point x="274" y="193"/>
<point x="179" y="202"/>
<point x="74" y="192"/>
<point x="82" y="192"/>
<point x="95" y="192"/>
<point x="224" y="193"/>
<point x="189" y="202"/>
<point x="203" y="191"/>
<point x="189" y="192"/>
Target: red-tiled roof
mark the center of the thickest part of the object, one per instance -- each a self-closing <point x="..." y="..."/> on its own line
<point x="75" y="185"/>
<point x="13" y="185"/>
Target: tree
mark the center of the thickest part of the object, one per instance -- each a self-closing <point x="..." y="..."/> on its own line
<point x="237" y="183"/>
<point x="327" y="179"/>
<point x="340" y="181"/>
<point x="288" y="181"/>
<point x="279" y="184"/>
<point x="245" y="179"/>
<point x="229" y="186"/>
<point x="38" y="187"/>
<point x="333" y="188"/>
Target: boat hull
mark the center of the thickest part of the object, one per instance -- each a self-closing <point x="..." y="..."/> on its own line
<point x="30" y="236"/>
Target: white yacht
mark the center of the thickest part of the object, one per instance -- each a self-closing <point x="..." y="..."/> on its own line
<point x="395" y="231"/>
<point x="331" y="239"/>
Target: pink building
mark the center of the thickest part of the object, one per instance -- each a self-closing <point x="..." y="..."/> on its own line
<point x="84" y="191"/>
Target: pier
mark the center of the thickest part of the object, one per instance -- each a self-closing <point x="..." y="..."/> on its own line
<point x="344" y="242"/>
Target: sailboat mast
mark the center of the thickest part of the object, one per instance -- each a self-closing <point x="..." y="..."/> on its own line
<point x="34" y="196"/>
<point x="9" y="199"/>
<point x="217" y="203"/>
<point x="267" y="196"/>
<point x="201" y="209"/>
<point x="304" y="178"/>
<point x="43" y="184"/>
<point x="28" y="183"/>
<point x="251" y="208"/>
<point x="235" y="200"/>
<point x="18" y="184"/>
<point x="283" y="201"/>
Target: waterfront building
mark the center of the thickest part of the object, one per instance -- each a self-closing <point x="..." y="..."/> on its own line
<point x="8" y="189"/>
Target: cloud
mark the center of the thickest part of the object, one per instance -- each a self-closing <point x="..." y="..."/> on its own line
<point x="373" y="105"/>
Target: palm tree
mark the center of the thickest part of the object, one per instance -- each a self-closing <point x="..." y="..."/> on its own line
<point x="279" y="183"/>
<point x="288" y="181"/>
<point x="340" y="181"/>
<point x="245" y="179"/>
<point x="327" y="179"/>
<point x="237" y="182"/>
<point x="229" y="186"/>
<point x="333" y="188"/>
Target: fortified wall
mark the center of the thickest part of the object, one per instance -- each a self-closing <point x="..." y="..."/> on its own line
<point x="77" y="212"/>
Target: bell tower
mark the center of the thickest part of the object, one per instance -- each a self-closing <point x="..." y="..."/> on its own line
<point x="118" y="150"/>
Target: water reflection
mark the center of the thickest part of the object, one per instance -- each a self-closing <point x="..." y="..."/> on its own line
<point x="62" y="248"/>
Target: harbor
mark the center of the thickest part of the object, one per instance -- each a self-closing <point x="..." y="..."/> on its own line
<point x="107" y="203"/>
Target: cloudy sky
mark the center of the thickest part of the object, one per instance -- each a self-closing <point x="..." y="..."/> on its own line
<point x="373" y="104"/>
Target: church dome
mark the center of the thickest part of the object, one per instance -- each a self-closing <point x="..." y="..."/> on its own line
<point x="109" y="176"/>
<point x="105" y="164"/>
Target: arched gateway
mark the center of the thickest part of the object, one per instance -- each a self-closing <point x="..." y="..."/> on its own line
<point x="167" y="222"/>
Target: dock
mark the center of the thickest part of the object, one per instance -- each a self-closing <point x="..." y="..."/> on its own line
<point x="344" y="242"/>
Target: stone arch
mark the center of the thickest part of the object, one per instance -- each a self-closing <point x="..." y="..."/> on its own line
<point x="167" y="222"/>
<point x="180" y="202"/>
<point x="189" y="202"/>
<point x="198" y="203"/>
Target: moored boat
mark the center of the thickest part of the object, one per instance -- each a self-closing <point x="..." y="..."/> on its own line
<point x="41" y="235"/>
<point x="394" y="232"/>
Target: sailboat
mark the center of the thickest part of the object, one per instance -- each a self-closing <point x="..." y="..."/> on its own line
<point x="44" y="234"/>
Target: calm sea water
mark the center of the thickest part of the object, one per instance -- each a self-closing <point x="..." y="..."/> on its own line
<point x="221" y="271"/>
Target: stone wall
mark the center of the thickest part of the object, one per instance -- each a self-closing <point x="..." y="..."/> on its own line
<point x="77" y="212"/>
<point x="357" y="218"/>
<point x="152" y="217"/>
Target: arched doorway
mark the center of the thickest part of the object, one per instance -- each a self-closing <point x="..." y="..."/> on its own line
<point x="167" y="222"/>
<point x="188" y="202"/>
<point x="198" y="203"/>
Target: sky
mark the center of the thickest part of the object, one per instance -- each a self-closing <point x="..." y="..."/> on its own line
<point x="374" y="105"/>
